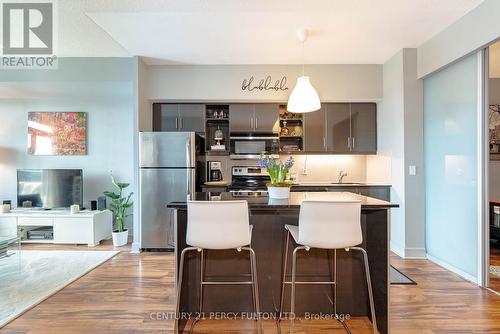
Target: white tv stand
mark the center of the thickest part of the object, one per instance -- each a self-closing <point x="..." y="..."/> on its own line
<point x="85" y="227"/>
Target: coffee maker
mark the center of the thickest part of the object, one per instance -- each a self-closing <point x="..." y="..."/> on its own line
<point x="214" y="171"/>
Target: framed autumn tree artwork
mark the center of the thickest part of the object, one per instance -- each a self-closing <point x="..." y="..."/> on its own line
<point x="57" y="133"/>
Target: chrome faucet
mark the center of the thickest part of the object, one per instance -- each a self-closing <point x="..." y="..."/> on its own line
<point x="342" y="174"/>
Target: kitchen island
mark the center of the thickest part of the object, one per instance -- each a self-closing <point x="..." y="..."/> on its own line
<point x="268" y="217"/>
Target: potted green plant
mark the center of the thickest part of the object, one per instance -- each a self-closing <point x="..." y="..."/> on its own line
<point x="278" y="170"/>
<point x="119" y="206"/>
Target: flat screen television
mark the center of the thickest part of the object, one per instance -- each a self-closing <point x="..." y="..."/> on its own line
<point x="50" y="188"/>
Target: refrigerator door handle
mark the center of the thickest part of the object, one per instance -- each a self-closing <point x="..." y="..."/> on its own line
<point x="188" y="153"/>
<point x="191" y="184"/>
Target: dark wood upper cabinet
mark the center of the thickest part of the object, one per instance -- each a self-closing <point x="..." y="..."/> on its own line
<point x="341" y="128"/>
<point x="249" y="117"/>
<point x="338" y="127"/>
<point x="192" y="117"/>
<point x="314" y="130"/>
<point x="364" y="128"/>
<point x="178" y="117"/>
<point x="266" y="117"/>
<point x="241" y="117"/>
<point x="167" y="118"/>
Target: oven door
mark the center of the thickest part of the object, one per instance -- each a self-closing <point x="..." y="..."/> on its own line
<point x="252" y="147"/>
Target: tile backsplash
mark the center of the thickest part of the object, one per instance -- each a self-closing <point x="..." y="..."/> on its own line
<point x="320" y="168"/>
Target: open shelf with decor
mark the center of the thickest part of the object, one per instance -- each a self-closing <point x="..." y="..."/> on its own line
<point x="291" y="131"/>
<point x="217" y="129"/>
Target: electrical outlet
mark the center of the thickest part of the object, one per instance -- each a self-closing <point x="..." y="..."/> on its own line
<point x="304" y="171"/>
<point x="412" y="170"/>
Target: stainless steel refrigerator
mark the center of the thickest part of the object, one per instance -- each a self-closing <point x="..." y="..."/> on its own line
<point x="171" y="169"/>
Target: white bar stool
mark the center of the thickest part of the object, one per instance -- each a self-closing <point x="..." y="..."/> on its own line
<point x="331" y="226"/>
<point x="218" y="226"/>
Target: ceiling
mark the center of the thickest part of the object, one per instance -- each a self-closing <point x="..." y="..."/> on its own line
<point x="252" y="32"/>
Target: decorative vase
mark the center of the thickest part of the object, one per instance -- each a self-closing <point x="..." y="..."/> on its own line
<point x="120" y="238"/>
<point x="278" y="192"/>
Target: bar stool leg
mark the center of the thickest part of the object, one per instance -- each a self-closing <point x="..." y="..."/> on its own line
<point x="255" y="287"/>
<point x="292" y="297"/>
<point x="179" y="286"/>
<point x="254" y="300"/>
<point x="285" y="261"/>
<point x="202" y="278"/>
<point x="369" y="284"/>
<point x="335" y="280"/>
<point x="332" y="266"/>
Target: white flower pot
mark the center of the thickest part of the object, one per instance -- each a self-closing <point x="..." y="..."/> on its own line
<point x="278" y="192"/>
<point x="120" y="238"/>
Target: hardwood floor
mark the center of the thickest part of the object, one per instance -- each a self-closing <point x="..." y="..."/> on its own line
<point x="131" y="293"/>
<point x="441" y="302"/>
<point x="495" y="261"/>
<point x="119" y="296"/>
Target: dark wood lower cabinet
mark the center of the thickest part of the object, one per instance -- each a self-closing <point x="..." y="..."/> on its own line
<point x="268" y="241"/>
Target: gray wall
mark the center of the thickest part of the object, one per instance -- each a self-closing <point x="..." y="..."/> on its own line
<point x="102" y="87"/>
<point x="475" y="30"/>
<point x="223" y="82"/>
<point x="400" y="143"/>
<point x="414" y="156"/>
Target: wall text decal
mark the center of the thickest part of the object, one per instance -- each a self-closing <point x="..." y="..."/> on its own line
<point x="264" y="84"/>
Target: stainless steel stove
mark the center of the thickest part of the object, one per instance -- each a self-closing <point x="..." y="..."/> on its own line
<point x="247" y="179"/>
<point x="248" y="193"/>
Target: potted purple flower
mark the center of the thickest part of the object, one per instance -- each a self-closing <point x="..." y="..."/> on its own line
<point x="278" y="170"/>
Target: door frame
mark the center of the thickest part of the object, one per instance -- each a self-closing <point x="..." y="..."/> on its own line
<point x="483" y="169"/>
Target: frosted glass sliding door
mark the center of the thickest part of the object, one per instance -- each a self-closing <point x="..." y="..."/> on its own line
<point x="451" y="158"/>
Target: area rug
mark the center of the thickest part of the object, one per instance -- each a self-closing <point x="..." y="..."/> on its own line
<point x="495" y="271"/>
<point x="39" y="274"/>
<point x="398" y="278"/>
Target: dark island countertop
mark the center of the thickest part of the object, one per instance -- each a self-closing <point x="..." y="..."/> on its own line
<point x="293" y="202"/>
<point x="318" y="184"/>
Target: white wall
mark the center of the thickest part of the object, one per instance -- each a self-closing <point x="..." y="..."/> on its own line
<point x="101" y="87"/>
<point x="223" y="82"/>
<point x="475" y="30"/>
<point x="400" y="144"/>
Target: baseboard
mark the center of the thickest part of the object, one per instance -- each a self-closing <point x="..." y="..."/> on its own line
<point x="415" y="253"/>
<point x="135" y="248"/>
<point x="395" y="248"/>
<point x="454" y="269"/>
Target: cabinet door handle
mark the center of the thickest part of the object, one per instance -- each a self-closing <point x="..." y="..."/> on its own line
<point x="181" y="122"/>
<point x="353" y="142"/>
<point x="176" y="123"/>
<point x="251" y="122"/>
<point x="256" y="123"/>
<point x="349" y="143"/>
<point x="324" y="143"/>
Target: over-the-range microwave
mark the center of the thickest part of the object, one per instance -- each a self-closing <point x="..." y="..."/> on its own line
<point x="252" y="146"/>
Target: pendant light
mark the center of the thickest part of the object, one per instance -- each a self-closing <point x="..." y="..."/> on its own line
<point x="304" y="97"/>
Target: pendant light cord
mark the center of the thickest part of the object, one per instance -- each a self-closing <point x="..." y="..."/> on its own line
<point x="303" y="59"/>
